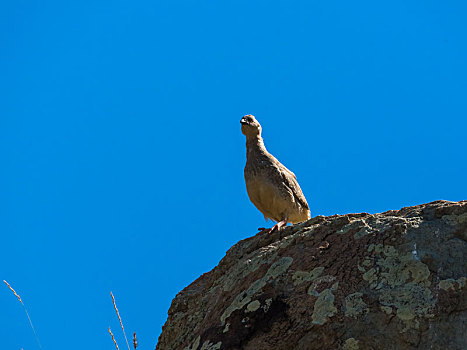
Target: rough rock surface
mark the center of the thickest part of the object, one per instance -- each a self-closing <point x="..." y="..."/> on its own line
<point x="395" y="280"/>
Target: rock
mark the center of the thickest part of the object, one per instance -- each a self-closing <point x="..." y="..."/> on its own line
<point x="395" y="280"/>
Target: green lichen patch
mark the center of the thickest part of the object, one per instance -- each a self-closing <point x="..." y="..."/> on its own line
<point x="454" y="220"/>
<point x="378" y="248"/>
<point x="266" y="256"/>
<point x="351" y="344"/>
<point x="244" y="267"/>
<point x="359" y="225"/>
<point x="452" y="284"/>
<point x="267" y="304"/>
<point x="398" y="270"/>
<point x="195" y="344"/>
<point x="226" y="328"/>
<point x="354" y="225"/>
<point x="361" y="268"/>
<point x="312" y="289"/>
<point x="363" y="232"/>
<point x="286" y="241"/>
<point x="394" y="269"/>
<point x="401" y="281"/>
<point x="253" y="306"/>
<point x="354" y="305"/>
<point x="386" y="309"/>
<point x="305" y="276"/>
<point x="324" y="307"/>
<point x="207" y="345"/>
<point x="244" y="298"/>
<point x="410" y="300"/>
<point x="370" y="276"/>
<point x="462" y="219"/>
<point x="279" y="267"/>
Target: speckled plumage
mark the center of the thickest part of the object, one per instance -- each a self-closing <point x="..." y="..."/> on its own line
<point x="272" y="188"/>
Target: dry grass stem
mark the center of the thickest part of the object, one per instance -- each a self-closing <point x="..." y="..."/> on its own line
<point x="27" y="314"/>
<point x="119" y="318"/>
<point x="14" y="292"/>
<point x="115" y="342"/>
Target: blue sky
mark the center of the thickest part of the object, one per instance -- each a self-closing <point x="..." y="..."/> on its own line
<point x="121" y="163"/>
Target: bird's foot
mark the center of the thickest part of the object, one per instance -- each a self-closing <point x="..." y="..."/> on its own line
<point x="264" y="230"/>
<point x="277" y="227"/>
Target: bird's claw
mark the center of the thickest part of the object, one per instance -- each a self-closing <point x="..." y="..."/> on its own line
<point x="269" y="230"/>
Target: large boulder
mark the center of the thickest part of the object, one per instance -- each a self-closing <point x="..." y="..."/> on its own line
<point x="395" y="280"/>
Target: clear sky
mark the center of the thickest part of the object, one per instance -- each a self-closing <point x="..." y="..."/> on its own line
<point x="121" y="156"/>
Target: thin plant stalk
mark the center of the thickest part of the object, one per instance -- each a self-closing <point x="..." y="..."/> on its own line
<point x="115" y="342"/>
<point x="119" y="318"/>
<point x="27" y="314"/>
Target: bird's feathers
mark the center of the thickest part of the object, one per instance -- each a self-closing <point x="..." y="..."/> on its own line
<point x="273" y="188"/>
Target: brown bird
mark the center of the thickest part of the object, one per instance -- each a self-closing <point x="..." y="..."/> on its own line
<point x="272" y="187"/>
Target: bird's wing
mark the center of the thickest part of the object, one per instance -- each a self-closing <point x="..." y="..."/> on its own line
<point x="280" y="174"/>
<point x="290" y="180"/>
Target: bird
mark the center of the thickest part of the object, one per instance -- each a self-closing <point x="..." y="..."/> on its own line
<point x="271" y="187"/>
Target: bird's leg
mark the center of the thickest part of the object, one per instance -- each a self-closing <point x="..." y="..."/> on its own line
<point x="279" y="225"/>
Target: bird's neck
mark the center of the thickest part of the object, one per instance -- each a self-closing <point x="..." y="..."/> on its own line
<point x="254" y="145"/>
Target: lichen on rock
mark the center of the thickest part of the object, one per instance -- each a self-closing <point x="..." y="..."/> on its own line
<point x="453" y="284"/>
<point x="324" y="307"/>
<point x="351" y="344"/>
<point x="354" y="305"/>
<point x="306" y="276"/>
<point x="401" y="281"/>
<point x="394" y="280"/>
<point x="242" y="299"/>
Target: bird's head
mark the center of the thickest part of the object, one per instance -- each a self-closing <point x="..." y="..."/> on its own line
<point x="250" y="126"/>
